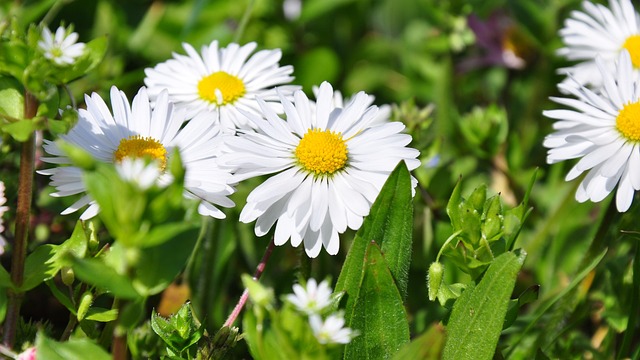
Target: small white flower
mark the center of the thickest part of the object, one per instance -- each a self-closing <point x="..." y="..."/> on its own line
<point x="328" y="166"/>
<point x="137" y="131"/>
<point x="603" y="132"/>
<point x="60" y="48"/>
<point x="331" y="330"/>
<point x="312" y="299"/>
<point x="3" y="209"/>
<point x="139" y="171"/>
<point x="220" y="85"/>
<point x="599" y="31"/>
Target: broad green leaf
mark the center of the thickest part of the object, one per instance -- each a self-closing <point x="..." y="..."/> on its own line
<point x="11" y="98"/>
<point x="74" y="349"/>
<point x="478" y="315"/>
<point x="378" y="313"/>
<point x="96" y="272"/>
<point x="427" y="346"/>
<point x="39" y="266"/>
<point x="21" y="129"/>
<point x="386" y="224"/>
<point x="159" y="265"/>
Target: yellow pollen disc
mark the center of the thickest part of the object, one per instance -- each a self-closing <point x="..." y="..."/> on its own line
<point x="632" y="44"/>
<point x="221" y="88"/>
<point x="137" y="146"/>
<point x="322" y="152"/>
<point x="628" y="121"/>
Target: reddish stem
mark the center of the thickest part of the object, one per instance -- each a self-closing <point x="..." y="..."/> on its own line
<point x="23" y="212"/>
<point x="245" y="294"/>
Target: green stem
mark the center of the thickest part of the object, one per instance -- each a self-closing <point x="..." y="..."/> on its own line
<point x="634" y="309"/>
<point x="23" y="211"/>
<point x="243" y="22"/>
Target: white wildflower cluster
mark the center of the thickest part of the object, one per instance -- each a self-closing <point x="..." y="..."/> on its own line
<point x="313" y="300"/>
<point x="221" y="108"/>
<point x="602" y="128"/>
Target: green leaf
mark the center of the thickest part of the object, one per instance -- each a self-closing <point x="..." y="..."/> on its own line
<point x="98" y="273"/>
<point x="94" y="53"/>
<point x="78" y="243"/>
<point x="21" y="129"/>
<point x="39" y="266"/>
<point x="149" y="278"/>
<point x="11" y="98"/>
<point x="378" y="313"/>
<point x="5" y="278"/>
<point x="74" y="349"/>
<point x="427" y="346"/>
<point x="478" y="315"/>
<point x="389" y="223"/>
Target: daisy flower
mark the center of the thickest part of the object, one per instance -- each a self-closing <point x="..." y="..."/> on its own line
<point x="384" y="111"/>
<point x="221" y="84"/>
<point x="136" y="131"/>
<point x="599" y="31"/>
<point x="603" y="131"/>
<point x="3" y="209"/>
<point x="312" y="299"/>
<point x="60" y="48"/>
<point x="329" y="165"/>
<point x="331" y="330"/>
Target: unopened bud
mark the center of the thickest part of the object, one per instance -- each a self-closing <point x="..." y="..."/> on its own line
<point x="434" y="279"/>
<point x="85" y="304"/>
<point x="67" y="275"/>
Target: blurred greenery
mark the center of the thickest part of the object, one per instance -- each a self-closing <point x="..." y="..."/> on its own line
<point x="472" y="118"/>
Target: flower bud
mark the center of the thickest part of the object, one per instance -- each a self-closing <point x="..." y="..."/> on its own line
<point x="67" y="275"/>
<point x="434" y="279"/>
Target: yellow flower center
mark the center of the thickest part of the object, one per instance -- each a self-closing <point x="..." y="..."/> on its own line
<point x="137" y="146"/>
<point x="632" y="44"/>
<point x="221" y="88"/>
<point x="322" y="152"/>
<point x="628" y="121"/>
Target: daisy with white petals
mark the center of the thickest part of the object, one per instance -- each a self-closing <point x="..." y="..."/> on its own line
<point x="137" y="131"/>
<point x="331" y="330"/>
<point x="60" y="48"/>
<point x="603" y="132"/>
<point x="311" y="299"/>
<point x="329" y="165"/>
<point x="384" y="111"/>
<point x="221" y="84"/>
<point x="599" y="31"/>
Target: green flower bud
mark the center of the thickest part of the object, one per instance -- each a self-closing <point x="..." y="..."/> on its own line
<point x="67" y="275"/>
<point x="85" y="304"/>
<point x="434" y="279"/>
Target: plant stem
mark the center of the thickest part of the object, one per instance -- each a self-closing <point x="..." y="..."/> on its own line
<point x="243" y="22"/>
<point x="119" y="343"/>
<point x="245" y="294"/>
<point x="23" y="211"/>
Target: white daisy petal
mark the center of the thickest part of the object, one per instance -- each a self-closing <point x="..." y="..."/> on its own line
<point x="62" y="49"/>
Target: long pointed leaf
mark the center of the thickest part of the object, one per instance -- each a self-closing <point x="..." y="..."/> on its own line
<point x="477" y="316"/>
<point x="389" y="223"/>
<point x="378" y="313"/>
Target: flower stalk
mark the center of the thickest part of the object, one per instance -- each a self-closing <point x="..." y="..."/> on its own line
<point x="245" y="294"/>
<point x="23" y="211"/>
